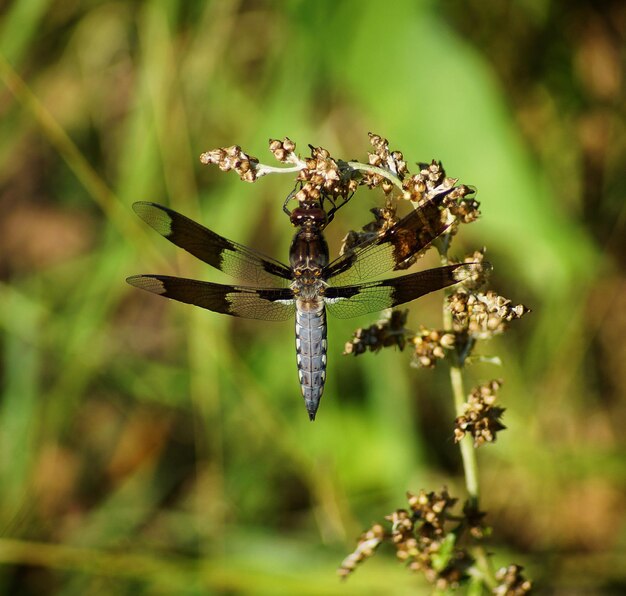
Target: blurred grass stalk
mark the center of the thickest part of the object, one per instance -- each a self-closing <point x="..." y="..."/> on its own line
<point x="95" y="186"/>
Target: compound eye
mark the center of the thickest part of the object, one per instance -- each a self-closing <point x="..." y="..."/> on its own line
<point x="298" y="217"/>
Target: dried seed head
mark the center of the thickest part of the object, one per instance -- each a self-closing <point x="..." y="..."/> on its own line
<point x="387" y="332"/>
<point x="481" y="418"/>
<point x="480" y="270"/>
<point x="474" y="518"/>
<point x="431" y="183"/>
<point x="367" y="545"/>
<point x="422" y="540"/>
<point x="323" y="177"/>
<point x="384" y="218"/>
<point x="432" y="508"/>
<point x="392" y="161"/>
<point x="401" y="525"/>
<point x="482" y="315"/>
<point x="431" y="345"/>
<point x="511" y="582"/>
<point x="397" y="159"/>
<point x="284" y="150"/>
<point x="232" y="158"/>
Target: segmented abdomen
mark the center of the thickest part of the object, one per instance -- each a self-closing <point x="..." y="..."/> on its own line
<point x="311" y="353"/>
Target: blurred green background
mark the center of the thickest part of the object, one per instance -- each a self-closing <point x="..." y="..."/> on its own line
<point x="150" y="447"/>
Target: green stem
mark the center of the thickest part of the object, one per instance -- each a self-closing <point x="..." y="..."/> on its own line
<point x="468" y="452"/>
<point x="482" y="568"/>
<point x="481" y="572"/>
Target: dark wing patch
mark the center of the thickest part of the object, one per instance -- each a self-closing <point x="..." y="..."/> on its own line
<point x="345" y="302"/>
<point x="271" y="304"/>
<point x="219" y="252"/>
<point x="391" y="250"/>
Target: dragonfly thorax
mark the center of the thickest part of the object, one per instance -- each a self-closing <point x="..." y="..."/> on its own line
<point x="307" y="289"/>
<point x="308" y="257"/>
<point x="308" y="254"/>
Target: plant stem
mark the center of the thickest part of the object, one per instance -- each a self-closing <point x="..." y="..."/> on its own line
<point x="468" y="452"/>
<point x="363" y="167"/>
<point x="481" y="572"/>
<point x="482" y="567"/>
<point x="263" y="169"/>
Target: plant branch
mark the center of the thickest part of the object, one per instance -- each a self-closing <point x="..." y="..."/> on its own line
<point x="468" y="453"/>
<point x="263" y="169"/>
<point x="363" y="167"/>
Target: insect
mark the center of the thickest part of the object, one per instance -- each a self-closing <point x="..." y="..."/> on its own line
<point x="310" y="284"/>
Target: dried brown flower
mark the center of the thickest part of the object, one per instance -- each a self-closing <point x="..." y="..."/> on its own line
<point x="464" y="209"/>
<point x="384" y="218"/>
<point x="367" y="545"/>
<point x="431" y="345"/>
<point x="284" y="150"/>
<point x="474" y="519"/>
<point x="321" y="176"/>
<point x="481" y="270"/>
<point x="432" y="508"/>
<point x="418" y="536"/>
<point x="382" y="157"/>
<point x="429" y="183"/>
<point x="481" y="417"/>
<point x="482" y="315"/>
<point x="402" y="533"/>
<point x="233" y="158"/>
<point x="388" y="331"/>
<point x="511" y="582"/>
<point x="425" y="539"/>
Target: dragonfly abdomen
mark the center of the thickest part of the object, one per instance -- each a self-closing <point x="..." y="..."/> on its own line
<point x="311" y="353"/>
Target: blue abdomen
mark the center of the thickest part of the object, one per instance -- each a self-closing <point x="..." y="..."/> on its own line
<point x="311" y="354"/>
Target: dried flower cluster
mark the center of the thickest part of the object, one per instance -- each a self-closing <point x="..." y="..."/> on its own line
<point x="382" y="157"/>
<point x="482" y="315"/>
<point x="511" y="582"/>
<point x="233" y="158"/>
<point x="366" y="546"/>
<point x="284" y="151"/>
<point x="321" y="176"/>
<point x="431" y="345"/>
<point x="389" y="331"/>
<point x="384" y="218"/>
<point x="432" y="182"/>
<point x="481" y="418"/>
<point x="427" y="537"/>
<point x="480" y="271"/>
<point x="437" y="542"/>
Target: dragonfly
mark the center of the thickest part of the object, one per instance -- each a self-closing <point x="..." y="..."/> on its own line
<point x="311" y="283"/>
